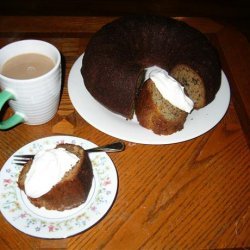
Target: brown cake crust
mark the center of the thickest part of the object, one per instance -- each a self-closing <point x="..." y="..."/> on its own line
<point x="72" y="190"/>
<point x="118" y="53"/>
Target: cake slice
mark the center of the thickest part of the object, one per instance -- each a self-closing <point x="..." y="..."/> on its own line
<point x="156" y="113"/>
<point x="72" y="190"/>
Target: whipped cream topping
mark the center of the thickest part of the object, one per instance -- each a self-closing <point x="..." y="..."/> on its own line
<point x="169" y="88"/>
<point x="47" y="169"/>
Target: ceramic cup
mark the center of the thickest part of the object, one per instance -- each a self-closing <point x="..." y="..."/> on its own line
<point x="34" y="101"/>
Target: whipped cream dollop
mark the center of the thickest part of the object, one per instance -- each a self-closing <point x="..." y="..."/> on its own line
<point x="169" y="88"/>
<point x="47" y="169"/>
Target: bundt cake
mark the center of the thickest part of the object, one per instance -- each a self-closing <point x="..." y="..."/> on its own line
<point x="116" y="56"/>
<point x="73" y="188"/>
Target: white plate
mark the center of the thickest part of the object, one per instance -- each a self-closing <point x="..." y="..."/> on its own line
<point x="43" y="223"/>
<point x="197" y="123"/>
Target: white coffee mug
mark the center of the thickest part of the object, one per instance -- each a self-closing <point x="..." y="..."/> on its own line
<point x="35" y="101"/>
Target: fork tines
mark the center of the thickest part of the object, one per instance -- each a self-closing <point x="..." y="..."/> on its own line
<point x="22" y="159"/>
<point x="25" y="156"/>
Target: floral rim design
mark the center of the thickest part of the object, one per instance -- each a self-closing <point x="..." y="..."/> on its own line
<point x="53" y="224"/>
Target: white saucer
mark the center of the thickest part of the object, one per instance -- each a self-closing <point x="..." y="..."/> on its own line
<point x="43" y="223"/>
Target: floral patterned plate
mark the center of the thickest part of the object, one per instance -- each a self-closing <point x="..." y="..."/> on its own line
<point x="43" y="223"/>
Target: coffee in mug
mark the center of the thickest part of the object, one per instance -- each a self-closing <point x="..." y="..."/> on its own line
<point x="27" y="66"/>
<point x="30" y="80"/>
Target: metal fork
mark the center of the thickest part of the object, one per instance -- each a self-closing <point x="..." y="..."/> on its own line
<point x="109" y="148"/>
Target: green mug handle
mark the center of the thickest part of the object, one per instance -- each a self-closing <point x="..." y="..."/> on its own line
<point x="14" y="119"/>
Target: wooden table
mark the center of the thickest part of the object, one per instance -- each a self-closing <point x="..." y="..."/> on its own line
<point x="189" y="195"/>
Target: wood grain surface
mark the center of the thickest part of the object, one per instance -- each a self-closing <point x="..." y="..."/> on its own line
<point x="189" y="195"/>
